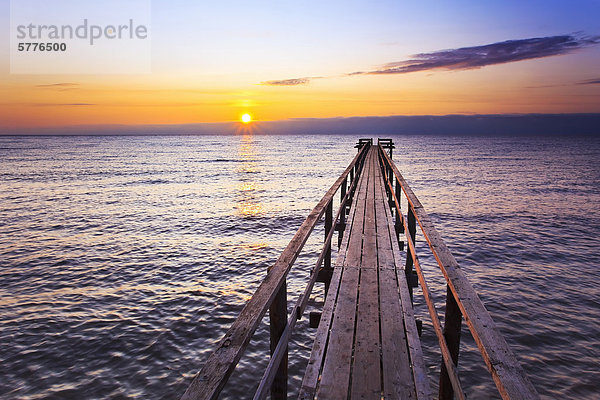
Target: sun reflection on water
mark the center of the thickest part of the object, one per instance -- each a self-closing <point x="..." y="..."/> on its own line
<point x="248" y="200"/>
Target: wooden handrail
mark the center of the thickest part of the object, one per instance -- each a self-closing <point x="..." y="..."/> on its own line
<point x="509" y="376"/>
<point x="450" y="365"/>
<point x="209" y="382"/>
<point x="298" y="310"/>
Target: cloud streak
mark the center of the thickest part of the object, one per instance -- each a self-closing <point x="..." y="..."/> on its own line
<point x="591" y="82"/>
<point x="289" y="82"/>
<point x="61" y="87"/>
<point x="63" y="104"/>
<point x="491" y="54"/>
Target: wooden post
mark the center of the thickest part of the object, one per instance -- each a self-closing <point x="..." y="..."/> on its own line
<point x="278" y="321"/>
<point x="412" y="231"/>
<point x="389" y="179"/>
<point x="328" y="226"/>
<point x="452" y="326"/>
<point x="399" y="224"/>
<point x="343" y="213"/>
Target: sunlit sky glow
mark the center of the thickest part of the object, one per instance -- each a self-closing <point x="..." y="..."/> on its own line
<point x="215" y="61"/>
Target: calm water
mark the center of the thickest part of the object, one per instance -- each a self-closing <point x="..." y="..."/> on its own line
<point x="124" y="260"/>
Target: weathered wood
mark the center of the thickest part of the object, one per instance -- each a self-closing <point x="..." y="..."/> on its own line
<point x="342" y="223"/>
<point x="452" y="326"/>
<point x="277" y="356"/>
<point x="366" y="369"/>
<point x="510" y="379"/>
<point x="212" y="377"/>
<point x="419" y="369"/>
<point x="398" y="380"/>
<point x="278" y="321"/>
<point x="412" y="234"/>
<point x="328" y="228"/>
<point x="335" y="377"/>
<point x="449" y="363"/>
<point x="315" y="362"/>
<point x="318" y="271"/>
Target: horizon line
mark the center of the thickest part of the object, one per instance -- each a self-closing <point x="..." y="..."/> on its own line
<point x="519" y="123"/>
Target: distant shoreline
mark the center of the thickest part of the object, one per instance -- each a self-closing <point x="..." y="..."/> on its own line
<point x="453" y="125"/>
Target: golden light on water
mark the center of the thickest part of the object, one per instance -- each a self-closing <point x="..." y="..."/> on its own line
<point x="246" y="118"/>
<point x="249" y="203"/>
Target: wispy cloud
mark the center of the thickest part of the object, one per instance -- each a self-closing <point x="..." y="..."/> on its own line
<point x="490" y="54"/>
<point x="59" y="86"/>
<point x="63" y="104"/>
<point x="288" y="82"/>
<point x="590" y="82"/>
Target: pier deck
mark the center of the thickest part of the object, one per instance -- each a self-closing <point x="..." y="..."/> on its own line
<point x="367" y="343"/>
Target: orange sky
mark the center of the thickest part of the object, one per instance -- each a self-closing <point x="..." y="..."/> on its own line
<point x="186" y="88"/>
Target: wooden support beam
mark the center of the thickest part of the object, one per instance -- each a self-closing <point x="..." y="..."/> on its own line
<point x="278" y="320"/>
<point x="342" y="223"/>
<point x="452" y="327"/>
<point x="412" y="233"/>
<point x="328" y="227"/>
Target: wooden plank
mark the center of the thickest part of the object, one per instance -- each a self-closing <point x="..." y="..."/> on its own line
<point x="208" y="383"/>
<point x="313" y="368"/>
<point x="398" y="382"/>
<point x="366" y="368"/>
<point x="335" y="377"/>
<point x="315" y="362"/>
<point x="509" y="376"/>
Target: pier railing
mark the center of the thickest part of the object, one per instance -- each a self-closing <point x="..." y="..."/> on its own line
<point x="272" y="295"/>
<point x="461" y="298"/>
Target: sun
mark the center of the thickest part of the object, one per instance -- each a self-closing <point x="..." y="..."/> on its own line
<point x="246" y="118"/>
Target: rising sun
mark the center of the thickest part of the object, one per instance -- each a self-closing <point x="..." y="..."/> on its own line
<point x="246" y="118"/>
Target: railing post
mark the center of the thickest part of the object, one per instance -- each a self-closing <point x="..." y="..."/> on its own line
<point x="452" y="326"/>
<point x="343" y="213"/>
<point x="328" y="226"/>
<point x="389" y="179"/>
<point x="278" y="321"/>
<point x="412" y="231"/>
<point x="399" y="224"/>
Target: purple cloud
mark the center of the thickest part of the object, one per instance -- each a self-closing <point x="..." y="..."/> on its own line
<point x="590" y="82"/>
<point x="490" y="54"/>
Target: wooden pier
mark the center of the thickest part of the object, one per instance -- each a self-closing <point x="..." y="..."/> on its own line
<point x="367" y="342"/>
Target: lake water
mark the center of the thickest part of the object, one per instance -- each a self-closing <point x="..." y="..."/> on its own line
<point x="123" y="260"/>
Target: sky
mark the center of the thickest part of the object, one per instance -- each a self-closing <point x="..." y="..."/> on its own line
<point x="215" y="61"/>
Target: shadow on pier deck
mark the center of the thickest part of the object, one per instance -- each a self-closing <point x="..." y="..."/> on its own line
<point x="367" y="342"/>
